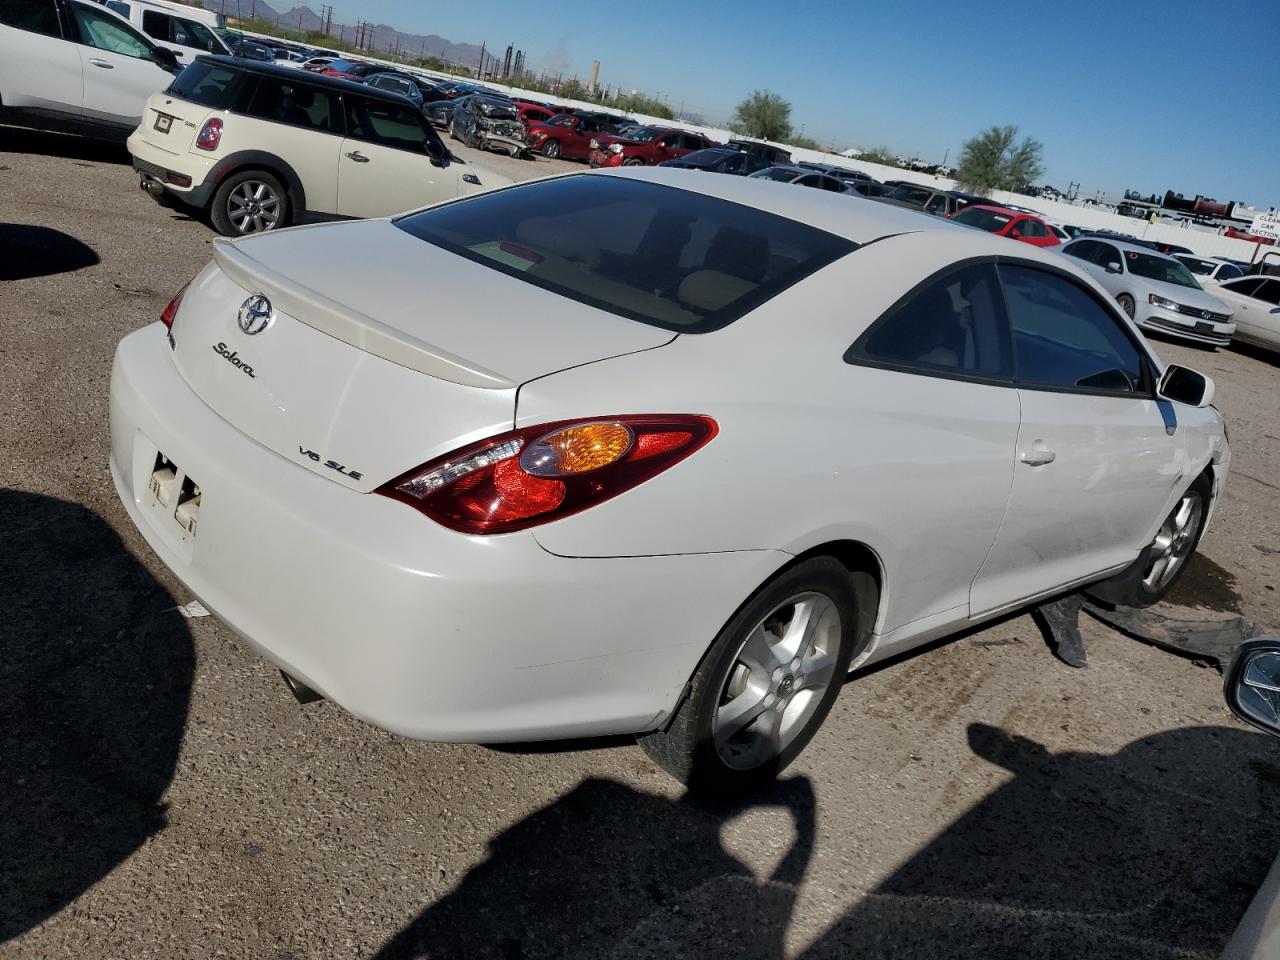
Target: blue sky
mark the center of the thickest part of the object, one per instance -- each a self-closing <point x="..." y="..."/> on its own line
<point x="1142" y="94"/>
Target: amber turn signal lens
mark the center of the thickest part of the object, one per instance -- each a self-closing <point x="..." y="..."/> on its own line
<point x="577" y="449"/>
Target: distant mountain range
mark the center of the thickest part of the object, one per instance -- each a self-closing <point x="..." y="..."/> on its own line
<point x="379" y="38"/>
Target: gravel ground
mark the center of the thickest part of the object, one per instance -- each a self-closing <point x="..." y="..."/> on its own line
<point x="162" y="795"/>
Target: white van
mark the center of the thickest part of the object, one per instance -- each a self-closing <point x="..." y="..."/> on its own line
<point x="187" y="31"/>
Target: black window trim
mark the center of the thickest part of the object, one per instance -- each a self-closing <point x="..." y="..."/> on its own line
<point x="854" y="355"/>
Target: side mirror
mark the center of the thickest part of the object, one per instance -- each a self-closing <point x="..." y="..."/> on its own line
<point x="1184" y="385"/>
<point x="164" y="57"/>
<point x="435" y="149"/>
<point x="1252" y="685"/>
<point x="1113" y="268"/>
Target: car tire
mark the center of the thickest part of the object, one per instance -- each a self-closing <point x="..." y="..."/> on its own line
<point x="1126" y="304"/>
<point x="551" y="149"/>
<point x="790" y="676"/>
<point x="1162" y="563"/>
<point x="633" y="162"/>
<point x="233" y="210"/>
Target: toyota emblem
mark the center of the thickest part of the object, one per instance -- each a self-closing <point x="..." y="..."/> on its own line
<point x="256" y="314"/>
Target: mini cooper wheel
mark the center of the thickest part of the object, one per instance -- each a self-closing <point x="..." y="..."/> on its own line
<point x="252" y="201"/>
<point x="1126" y="304"/>
<point x="551" y="149"/>
<point x="768" y="681"/>
<point x="1150" y="578"/>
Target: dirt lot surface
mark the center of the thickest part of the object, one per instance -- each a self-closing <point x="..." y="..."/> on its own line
<point x="162" y="795"/>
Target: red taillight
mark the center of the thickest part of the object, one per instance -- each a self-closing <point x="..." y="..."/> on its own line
<point x="171" y="310"/>
<point x="210" y="134"/>
<point x="538" y="474"/>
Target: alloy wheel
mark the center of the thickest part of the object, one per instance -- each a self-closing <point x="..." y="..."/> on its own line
<point x="777" y="681"/>
<point x="253" y="207"/>
<point x="1173" y="544"/>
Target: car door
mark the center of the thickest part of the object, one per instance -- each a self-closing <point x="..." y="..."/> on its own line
<point x="1258" y="315"/>
<point x="119" y="74"/>
<point x="301" y="123"/>
<point x="384" y="167"/>
<point x="1095" y="459"/>
<point x="39" y="69"/>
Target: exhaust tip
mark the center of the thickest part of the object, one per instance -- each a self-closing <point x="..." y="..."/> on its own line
<point x="301" y="692"/>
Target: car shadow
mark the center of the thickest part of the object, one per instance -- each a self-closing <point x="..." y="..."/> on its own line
<point x="28" y="251"/>
<point x="1150" y="852"/>
<point x="609" y="871"/>
<point x="1270" y="357"/>
<point x="68" y="145"/>
<point x="96" y="669"/>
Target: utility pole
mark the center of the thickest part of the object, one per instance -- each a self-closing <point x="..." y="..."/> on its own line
<point x="480" y="75"/>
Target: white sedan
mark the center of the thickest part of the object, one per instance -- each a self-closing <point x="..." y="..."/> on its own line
<point x="645" y="451"/>
<point x="1155" y="290"/>
<point x="1255" y="307"/>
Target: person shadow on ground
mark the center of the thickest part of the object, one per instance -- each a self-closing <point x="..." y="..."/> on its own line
<point x="609" y="871"/>
<point x="96" y="668"/>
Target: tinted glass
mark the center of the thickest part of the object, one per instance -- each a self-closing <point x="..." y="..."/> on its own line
<point x="37" y="16"/>
<point x="1161" y="269"/>
<point x="1269" y="292"/>
<point x="205" y="83"/>
<point x="1032" y="228"/>
<point x="1229" y="271"/>
<point x="1062" y="336"/>
<point x="954" y="324"/>
<point x="666" y="257"/>
<point x="1086" y="250"/>
<point x="988" y="220"/>
<point x="937" y="205"/>
<point x="104" y="32"/>
<point x="832" y="184"/>
<point x="1201" y="268"/>
<point x="297" y="104"/>
<point x="913" y="195"/>
<point x="1245" y="286"/>
<point x="389" y="124"/>
<point x="118" y="6"/>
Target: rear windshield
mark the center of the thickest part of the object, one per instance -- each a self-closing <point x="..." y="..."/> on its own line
<point x="666" y="257"/>
<point x="987" y="220"/>
<point x="208" y="84"/>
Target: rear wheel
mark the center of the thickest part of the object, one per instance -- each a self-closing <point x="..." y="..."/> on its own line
<point x="1126" y="304"/>
<point x="633" y="162"/>
<point x="252" y="201"/>
<point x="551" y="149"/>
<point x="1150" y="578"/>
<point x="768" y="681"/>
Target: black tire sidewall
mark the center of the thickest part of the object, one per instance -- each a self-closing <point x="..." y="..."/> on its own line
<point x="218" y="206"/>
<point x="1130" y="311"/>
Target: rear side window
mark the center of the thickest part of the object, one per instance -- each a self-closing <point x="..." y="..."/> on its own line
<point x="1063" y="338"/>
<point x="666" y="257"/>
<point x="35" y="16"/>
<point x="297" y="104"/>
<point x="952" y="324"/>
<point x="205" y="83"/>
<point x="1245" y="287"/>
<point x="1269" y="292"/>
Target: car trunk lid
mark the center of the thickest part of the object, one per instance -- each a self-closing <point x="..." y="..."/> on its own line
<point x="171" y="124"/>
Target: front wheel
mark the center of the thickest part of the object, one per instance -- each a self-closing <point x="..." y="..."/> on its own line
<point x="1150" y="578"/>
<point x="252" y="201"/>
<point x="1126" y="304"/>
<point x="768" y="681"/>
<point x="551" y="149"/>
<point x="633" y="162"/>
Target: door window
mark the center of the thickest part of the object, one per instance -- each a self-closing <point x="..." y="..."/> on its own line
<point x="1086" y="250"/>
<point x="1228" y="271"/>
<point x="832" y="184"/>
<point x="1245" y="287"/>
<point x="1065" y="339"/>
<point x="191" y="33"/>
<point x="35" y="16"/>
<point x="953" y="324"/>
<point x="296" y="104"/>
<point x="389" y="124"/>
<point x="105" y="32"/>
<point x="1269" y="292"/>
<point x="1032" y="228"/>
<point x="937" y="205"/>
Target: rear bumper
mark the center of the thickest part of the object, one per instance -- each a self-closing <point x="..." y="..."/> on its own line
<point x="181" y="176"/>
<point x="1185" y="327"/>
<point x="414" y="628"/>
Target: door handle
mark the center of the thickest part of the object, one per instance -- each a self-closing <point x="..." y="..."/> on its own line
<point x="357" y="156"/>
<point x="102" y="63"/>
<point x="1038" y="455"/>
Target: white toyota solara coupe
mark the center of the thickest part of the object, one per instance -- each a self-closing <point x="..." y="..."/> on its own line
<point x="647" y="451"/>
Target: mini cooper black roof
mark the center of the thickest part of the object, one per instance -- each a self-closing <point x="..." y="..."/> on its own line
<point x="296" y="75"/>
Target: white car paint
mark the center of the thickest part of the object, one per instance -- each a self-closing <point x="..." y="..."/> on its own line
<point x="1255" y="307"/>
<point x="1211" y="270"/>
<point x="1200" y="317"/>
<point x="339" y="175"/>
<point x="96" y="71"/>
<point x="594" y="623"/>
<point x="183" y="31"/>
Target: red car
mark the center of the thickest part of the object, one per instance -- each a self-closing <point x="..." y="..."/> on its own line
<point x="570" y="135"/>
<point x="1004" y="222"/>
<point x="645" y="145"/>
<point x="533" y="112"/>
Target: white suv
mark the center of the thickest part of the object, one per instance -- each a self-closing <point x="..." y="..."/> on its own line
<point x="260" y="146"/>
<point x="186" y="34"/>
<point x="76" y="66"/>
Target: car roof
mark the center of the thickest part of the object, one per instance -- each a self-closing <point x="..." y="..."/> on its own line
<point x="996" y="208"/>
<point x="853" y="218"/>
<point x="296" y="75"/>
<point x="1127" y="246"/>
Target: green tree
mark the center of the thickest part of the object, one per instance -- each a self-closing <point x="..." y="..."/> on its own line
<point x="763" y="115"/>
<point x="881" y="155"/>
<point x="995" y="160"/>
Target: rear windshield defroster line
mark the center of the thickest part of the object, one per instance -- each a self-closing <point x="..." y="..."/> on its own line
<point x="655" y="254"/>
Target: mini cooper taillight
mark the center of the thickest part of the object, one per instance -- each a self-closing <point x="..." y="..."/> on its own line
<point x="210" y="134"/>
<point x="538" y="474"/>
